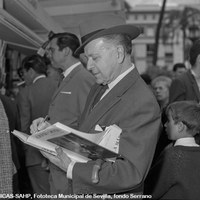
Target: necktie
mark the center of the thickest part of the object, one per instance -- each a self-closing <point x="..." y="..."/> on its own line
<point x="99" y="95"/>
<point x="61" y="79"/>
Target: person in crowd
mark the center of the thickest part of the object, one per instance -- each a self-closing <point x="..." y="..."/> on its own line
<point x="69" y="100"/>
<point x="161" y="86"/>
<point x="7" y="167"/>
<point x="14" y="123"/>
<point x="178" y="69"/>
<point x="127" y="102"/>
<point x="33" y="102"/>
<point x="186" y="86"/>
<point x="176" y="173"/>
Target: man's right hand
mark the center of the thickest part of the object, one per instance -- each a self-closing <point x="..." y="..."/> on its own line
<point x="38" y="125"/>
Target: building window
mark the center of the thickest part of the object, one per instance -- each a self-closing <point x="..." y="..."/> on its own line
<point x="142" y="29"/>
<point x="136" y="16"/>
<point x="150" y="50"/>
<point x="169" y="55"/>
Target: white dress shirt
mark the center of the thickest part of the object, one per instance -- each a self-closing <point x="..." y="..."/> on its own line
<point x="38" y="77"/>
<point x="67" y="71"/>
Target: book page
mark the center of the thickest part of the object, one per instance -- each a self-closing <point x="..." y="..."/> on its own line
<point x="93" y="137"/>
<point x="22" y="136"/>
<point x="111" y="139"/>
<point x="59" y="129"/>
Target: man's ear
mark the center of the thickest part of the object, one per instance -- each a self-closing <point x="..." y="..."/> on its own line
<point x="120" y="53"/>
<point x="31" y="71"/>
<point x="67" y="51"/>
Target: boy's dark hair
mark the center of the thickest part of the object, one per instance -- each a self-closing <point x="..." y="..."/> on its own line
<point x="36" y="62"/>
<point x="178" y="65"/>
<point x="66" y="40"/>
<point x="187" y="112"/>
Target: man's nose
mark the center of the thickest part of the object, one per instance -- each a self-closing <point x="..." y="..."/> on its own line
<point x="89" y="64"/>
<point x="157" y="90"/>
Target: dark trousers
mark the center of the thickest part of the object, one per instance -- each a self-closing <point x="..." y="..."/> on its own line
<point x="39" y="178"/>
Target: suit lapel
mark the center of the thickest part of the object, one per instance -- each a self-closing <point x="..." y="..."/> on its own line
<point x="65" y="81"/>
<point x="194" y="85"/>
<point x="110" y="100"/>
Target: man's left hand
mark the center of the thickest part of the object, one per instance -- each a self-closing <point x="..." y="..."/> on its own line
<point x="61" y="160"/>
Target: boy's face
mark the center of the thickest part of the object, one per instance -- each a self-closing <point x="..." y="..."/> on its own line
<point x="171" y="128"/>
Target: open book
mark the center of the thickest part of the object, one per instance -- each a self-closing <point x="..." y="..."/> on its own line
<point x="79" y="146"/>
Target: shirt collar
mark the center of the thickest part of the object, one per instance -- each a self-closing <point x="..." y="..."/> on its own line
<point x="189" y="141"/>
<point x="120" y="77"/>
<point x="67" y="71"/>
<point x="193" y="73"/>
<point x="38" y="77"/>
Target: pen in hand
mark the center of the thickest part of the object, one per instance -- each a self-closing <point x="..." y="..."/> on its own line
<point x="43" y="124"/>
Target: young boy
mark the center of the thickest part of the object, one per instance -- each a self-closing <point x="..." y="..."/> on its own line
<point x="176" y="173"/>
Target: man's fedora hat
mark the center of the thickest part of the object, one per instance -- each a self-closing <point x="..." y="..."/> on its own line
<point x="101" y="25"/>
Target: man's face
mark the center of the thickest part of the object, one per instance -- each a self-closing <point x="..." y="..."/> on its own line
<point x="180" y="71"/>
<point x="102" y="60"/>
<point x="56" y="56"/>
<point x="161" y="91"/>
<point x="27" y="75"/>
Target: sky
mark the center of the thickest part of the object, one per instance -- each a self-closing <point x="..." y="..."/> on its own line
<point x="170" y="2"/>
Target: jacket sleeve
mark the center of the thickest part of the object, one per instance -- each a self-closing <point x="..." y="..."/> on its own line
<point x="24" y="110"/>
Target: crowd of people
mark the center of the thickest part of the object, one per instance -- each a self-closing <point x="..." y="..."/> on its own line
<point x="159" y="118"/>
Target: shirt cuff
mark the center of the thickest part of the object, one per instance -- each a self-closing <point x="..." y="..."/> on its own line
<point x="70" y="169"/>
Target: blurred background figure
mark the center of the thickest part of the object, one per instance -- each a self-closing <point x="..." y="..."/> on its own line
<point x="187" y="85"/>
<point x="178" y="69"/>
<point x="161" y="86"/>
<point x="33" y="101"/>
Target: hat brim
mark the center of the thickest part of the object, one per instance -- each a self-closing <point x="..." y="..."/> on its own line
<point x="130" y="30"/>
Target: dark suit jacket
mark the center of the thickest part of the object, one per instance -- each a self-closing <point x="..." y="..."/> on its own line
<point x="132" y="106"/>
<point x="66" y="107"/>
<point x="69" y="99"/>
<point x="34" y="102"/>
<point x="184" y="88"/>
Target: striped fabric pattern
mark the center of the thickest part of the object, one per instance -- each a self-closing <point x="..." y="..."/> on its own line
<point x="6" y="164"/>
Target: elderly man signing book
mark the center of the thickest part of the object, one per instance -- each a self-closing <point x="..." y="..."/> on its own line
<point x="126" y="101"/>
